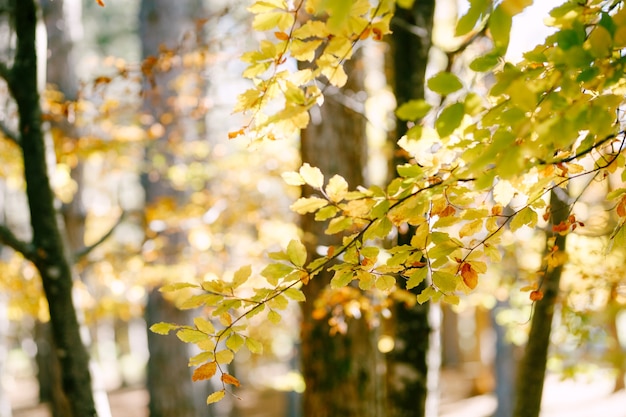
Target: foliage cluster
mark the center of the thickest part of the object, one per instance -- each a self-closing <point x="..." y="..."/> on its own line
<point x="485" y="168"/>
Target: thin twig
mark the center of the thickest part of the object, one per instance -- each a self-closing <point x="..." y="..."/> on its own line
<point x="8" y="238"/>
<point x="86" y="250"/>
<point x="9" y="133"/>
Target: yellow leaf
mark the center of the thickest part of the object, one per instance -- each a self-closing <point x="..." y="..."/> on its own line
<point x="308" y="205"/>
<point x="225" y="356"/>
<point x="337" y="188"/>
<point x="471" y="228"/>
<point x="336" y="75"/>
<point x="514" y="7"/>
<point x="204" y="325"/>
<point x="270" y="20"/>
<point x="205" y="371"/>
<point x="385" y="282"/>
<point x="242" y="275"/>
<point x="274" y="317"/>
<point x="229" y="379"/>
<point x="254" y="346"/>
<point x="235" y="342"/>
<point x="600" y="42"/>
<point x="201" y="357"/>
<point x="293" y="178"/>
<point x="191" y="336"/>
<point x="312" y="175"/>
<point x="296" y="252"/>
<point x="163" y="328"/>
<point x="215" y="397"/>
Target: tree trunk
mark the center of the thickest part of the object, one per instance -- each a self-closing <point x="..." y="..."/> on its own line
<point x="407" y="363"/>
<point x="162" y="25"/>
<point x="340" y="371"/>
<point x="62" y="22"/>
<point x="49" y="254"/>
<point x="532" y="368"/>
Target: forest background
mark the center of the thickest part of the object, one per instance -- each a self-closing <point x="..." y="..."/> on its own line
<point x="151" y="191"/>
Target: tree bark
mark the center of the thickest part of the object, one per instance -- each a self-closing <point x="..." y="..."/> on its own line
<point x="407" y="363"/>
<point x="162" y="24"/>
<point x="340" y="371"/>
<point x="62" y="22"/>
<point x="532" y="368"/>
<point x="49" y="255"/>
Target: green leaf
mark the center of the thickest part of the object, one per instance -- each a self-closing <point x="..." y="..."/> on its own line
<point x="410" y="171"/>
<point x="235" y="342"/>
<point x="416" y="277"/>
<point x="405" y="4"/>
<point x="295" y="294"/>
<point x="413" y="110"/>
<point x="500" y="28"/>
<point x="366" y="279"/>
<point x="444" y="83"/>
<point x="449" y="119"/>
<point x="306" y="205"/>
<point x="274" y="317"/>
<point x="445" y="281"/>
<point x="338" y="224"/>
<point x="468" y="21"/>
<point x="385" y="282"/>
<point x="341" y="278"/>
<point x="485" y="63"/>
<point x="163" y="328"/>
<point x="426" y="294"/>
<point x="279" y="302"/>
<point x="296" y="252"/>
<point x="273" y="272"/>
<point x="326" y="213"/>
<point x="526" y="216"/>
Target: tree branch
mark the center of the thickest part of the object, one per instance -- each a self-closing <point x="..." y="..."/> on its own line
<point x="5" y="72"/>
<point x="86" y="250"/>
<point x="9" y="239"/>
<point x="9" y="133"/>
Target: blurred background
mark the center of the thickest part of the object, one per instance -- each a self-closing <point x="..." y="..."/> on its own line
<point x="139" y="103"/>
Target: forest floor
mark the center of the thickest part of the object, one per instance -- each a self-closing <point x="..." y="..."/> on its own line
<point x="589" y="396"/>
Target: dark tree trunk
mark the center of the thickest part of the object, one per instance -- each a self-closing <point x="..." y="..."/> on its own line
<point x="532" y="368"/>
<point x="407" y="363"/>
<point x="340" y="370"/>
<point x="60" y="70"/>
<point x="49" y="255"/>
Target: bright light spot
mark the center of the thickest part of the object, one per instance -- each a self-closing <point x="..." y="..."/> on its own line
<point x="386" y="344"/>
<point x="200" y="239"/>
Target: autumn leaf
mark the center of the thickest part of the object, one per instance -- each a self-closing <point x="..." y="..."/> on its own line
<point x="536" y="295"/>
<point x="205" y="371"/>
<point x="469" y="275"/>
<point x="229" y="379"/>
<point x="215" y="397"/>
<point x="100" y="3"/>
